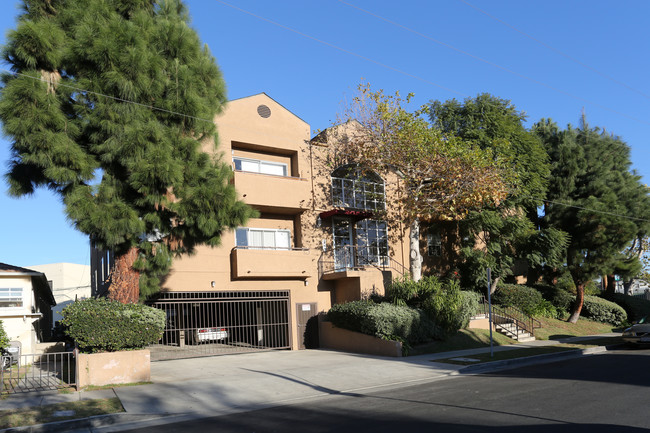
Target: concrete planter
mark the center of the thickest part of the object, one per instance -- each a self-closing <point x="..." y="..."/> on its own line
<point x="335" y="338"/>
<point x="108" y="368"/>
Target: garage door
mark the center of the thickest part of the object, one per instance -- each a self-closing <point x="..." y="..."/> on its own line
<point x="217" y="323"/>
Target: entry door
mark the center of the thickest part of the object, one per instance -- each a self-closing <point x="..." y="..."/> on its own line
<point x="343" y="243"/>
<point x="307" y="326"/>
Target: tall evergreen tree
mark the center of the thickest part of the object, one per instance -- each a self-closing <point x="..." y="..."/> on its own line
<point x="595" y="198"/>
<point x="92" y="109"/>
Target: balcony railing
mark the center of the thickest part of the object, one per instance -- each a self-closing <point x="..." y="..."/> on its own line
<point x="356" y="257"/>
<point x="259" y="262"/>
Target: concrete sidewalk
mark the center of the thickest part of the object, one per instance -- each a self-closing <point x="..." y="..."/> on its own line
<point x="212" y="386"/>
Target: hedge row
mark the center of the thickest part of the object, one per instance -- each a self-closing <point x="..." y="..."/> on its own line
<point x="102" y="325"/>
<point x="385" y="320"/>
<point x="602" y="310"/>
<point x="525" y="298"/>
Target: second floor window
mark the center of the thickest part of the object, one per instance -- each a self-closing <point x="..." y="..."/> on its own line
<point x="273" y="239"/>
<point x="357" y="189"/>
<point x="11" y="297"/>
<point x="259" y="166"/>
<point x="434" y="244"/>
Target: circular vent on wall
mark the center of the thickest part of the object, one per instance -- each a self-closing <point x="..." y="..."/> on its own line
<point x="264" y="111"/>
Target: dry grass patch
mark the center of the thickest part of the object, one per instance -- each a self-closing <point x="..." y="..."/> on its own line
<point x="553" y="329"/>
<point x="59" y="412"/>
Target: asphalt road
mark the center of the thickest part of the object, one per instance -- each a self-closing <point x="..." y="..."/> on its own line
<point x="598" y="393"/>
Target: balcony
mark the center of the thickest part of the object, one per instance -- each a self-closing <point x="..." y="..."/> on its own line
<point x="351" y="261"/>
<point x="273" y="192"/>
<point x="294" y="263"/>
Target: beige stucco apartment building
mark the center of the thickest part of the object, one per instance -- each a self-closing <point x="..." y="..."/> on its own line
<point x="319" y="238"/>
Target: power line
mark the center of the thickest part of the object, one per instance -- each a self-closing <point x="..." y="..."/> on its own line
<point x="584" y="65"/>
<point x="480" y="59"/>
<point x="352" y="53"/>
<point x="115" y="98"/>
<point x="205" y="120"/>
<point x="596" y="211"/>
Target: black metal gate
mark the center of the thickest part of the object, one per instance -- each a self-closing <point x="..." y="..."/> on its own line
<point x="217" y="323"/>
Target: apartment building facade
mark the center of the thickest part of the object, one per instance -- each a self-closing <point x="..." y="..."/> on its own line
<point x="325" y="234"/>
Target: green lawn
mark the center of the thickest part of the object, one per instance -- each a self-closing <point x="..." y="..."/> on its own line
<point x="552" y="329"/>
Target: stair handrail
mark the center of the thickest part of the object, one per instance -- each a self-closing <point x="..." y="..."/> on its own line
<point x="514" y="315"/>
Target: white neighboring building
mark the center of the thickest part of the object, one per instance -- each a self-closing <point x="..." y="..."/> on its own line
<point x="25" y="306"/>
<point x="69" y="281"/>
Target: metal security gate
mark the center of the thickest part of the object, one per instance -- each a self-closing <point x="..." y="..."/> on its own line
<point x="37" y="372"/>
<point x="217" y="323"/>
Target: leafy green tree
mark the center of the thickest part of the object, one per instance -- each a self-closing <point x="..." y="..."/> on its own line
<point x="595" y="198"/>
<point x="499" y="236"/>
<point x="91" y="108"/>
<point x="444" y="177"/>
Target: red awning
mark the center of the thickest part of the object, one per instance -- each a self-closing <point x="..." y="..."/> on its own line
<point x="356" y="215"/>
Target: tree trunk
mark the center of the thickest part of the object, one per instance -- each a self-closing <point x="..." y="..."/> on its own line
<point x="414" y="255"/>
<point x="125" y="281"/>
<point x="611" y="285"/>
<point x="577" y="306"/>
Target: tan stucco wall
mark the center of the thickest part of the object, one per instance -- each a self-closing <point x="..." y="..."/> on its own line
<point x="108" y="368"/>
<point x="335" y="338"/>
<point x="292" y="203"/>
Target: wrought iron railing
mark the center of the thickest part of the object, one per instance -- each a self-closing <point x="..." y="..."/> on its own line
<point x="503" y="316"/>
<point x="37" y="372"/>
<point x="357" y="257"/>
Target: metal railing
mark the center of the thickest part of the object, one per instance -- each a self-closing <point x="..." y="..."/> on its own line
<point x="357" y="257"/>
<point x="510" y="319"/>
<point x="37" y="372"/>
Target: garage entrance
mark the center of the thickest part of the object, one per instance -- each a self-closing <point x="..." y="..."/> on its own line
<point x="218" y="323"/>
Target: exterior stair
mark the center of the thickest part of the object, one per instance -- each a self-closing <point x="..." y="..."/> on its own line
<point x="511" y="322"/>
<point x="509" y="329"/>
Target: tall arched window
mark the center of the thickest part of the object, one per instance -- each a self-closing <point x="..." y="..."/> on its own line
<point x="357" y="189"/>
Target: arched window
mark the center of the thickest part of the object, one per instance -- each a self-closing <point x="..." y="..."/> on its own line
<point x="355" y="188"/>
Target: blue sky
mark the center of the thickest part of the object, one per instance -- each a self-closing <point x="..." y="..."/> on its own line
<point x="550" y="58"/>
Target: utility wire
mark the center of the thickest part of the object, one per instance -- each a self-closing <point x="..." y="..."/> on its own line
<point x="596" y="211"/>
<point x="480" y="59"/>
<point x="205" y="120"/>
<point x="383" y="65"/>
<point x="115" y="98"/>
<point x="584" y="65"/>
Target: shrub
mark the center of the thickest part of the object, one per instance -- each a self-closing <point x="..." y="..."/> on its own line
<point x="384" y="320"/>
<point x="469" y="307"/>
<point x="527" y="299"/>
<point x="99" y="325"/>
<point x="4" y="338"/>
<point x="602" y="310"/>
<point x="636" y="308"/>
<point x="405" y="291"/>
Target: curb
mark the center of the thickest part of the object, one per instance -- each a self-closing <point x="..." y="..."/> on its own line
<point x="529" y="360"/>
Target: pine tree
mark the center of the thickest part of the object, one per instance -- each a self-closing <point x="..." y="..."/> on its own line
<point x="110" y="106"/>
<point x="595" y="198"/>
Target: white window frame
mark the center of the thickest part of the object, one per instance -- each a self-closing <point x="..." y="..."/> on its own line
<point x="276" y="233"/>
<point x="260" y="166"/>
<point x="7" y="296"/>
<point x="434" y="245"/>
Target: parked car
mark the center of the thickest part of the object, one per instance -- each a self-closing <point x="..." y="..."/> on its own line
<point x="639" y="333"/>
<point x="210" y="334"/>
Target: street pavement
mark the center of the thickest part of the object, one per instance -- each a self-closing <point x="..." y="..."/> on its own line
<point x="186" y="389"/>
